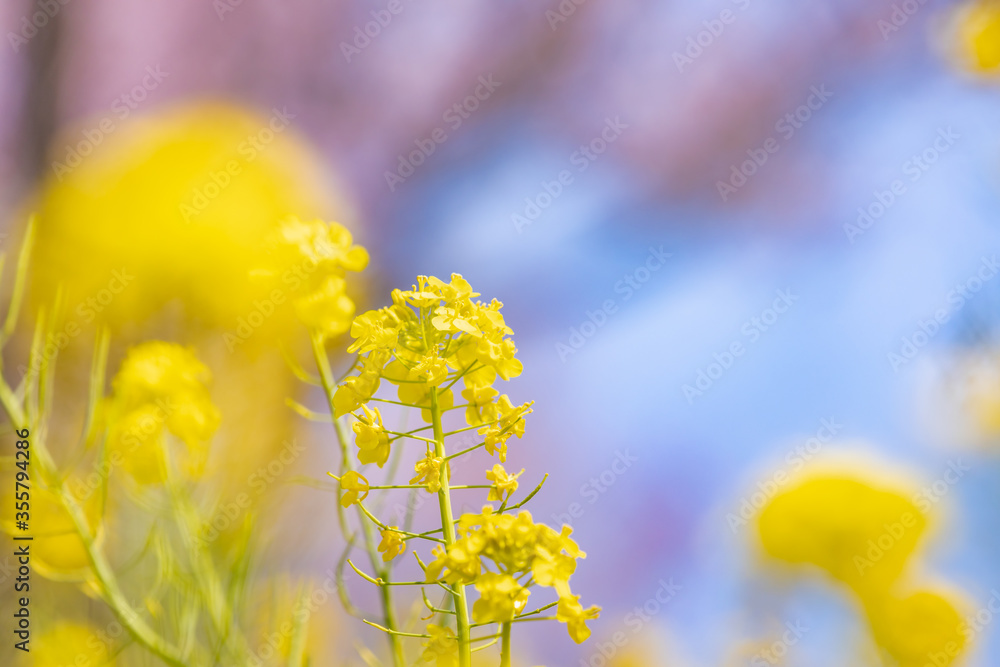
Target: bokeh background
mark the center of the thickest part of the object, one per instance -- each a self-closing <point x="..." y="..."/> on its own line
<point x="590" y="169"/>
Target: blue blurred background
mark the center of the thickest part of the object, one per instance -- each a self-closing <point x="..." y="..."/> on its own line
<point x="645" y="185"/>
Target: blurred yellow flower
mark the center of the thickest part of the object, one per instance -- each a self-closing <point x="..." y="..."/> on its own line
<point x="174" y="209"/>
<point x="861" y="534"/>
<point x="978" y="35"/>
<point x="500" y="597"/>
<point x="57" y="552"/>
<point x="923" y="628"/>
<point x="442" y="647"/>
<point x="65" y="644"/>
<point x="160" y="387"/>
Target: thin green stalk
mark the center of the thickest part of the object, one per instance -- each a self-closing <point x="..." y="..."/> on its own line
<point x="448" y="524"/>
<point x="329" y="387"/>
<point x="103" y="573"/>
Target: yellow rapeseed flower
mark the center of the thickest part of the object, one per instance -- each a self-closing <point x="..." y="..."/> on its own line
<point x="372" y="439"/>
<point x="500" y="598"/>
<point x="392" y="543"/>
<point x="504" y="484"/>
<point x="355" y="486"/>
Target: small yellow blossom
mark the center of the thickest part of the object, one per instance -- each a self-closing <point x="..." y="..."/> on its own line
<point x="500" y="598"/>
<point x="442" y="647"/>
<point x="429" y="472"/>
<point x="507" y="420"/>
<point x="572" y="613"/>
<point x="504" y="484"/>
<point x="355" y="486"/>
<point x="392" y="543"/>
<point x="372" y="439"/>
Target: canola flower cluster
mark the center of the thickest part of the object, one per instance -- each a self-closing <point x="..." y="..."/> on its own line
<point x="429" y="339"/>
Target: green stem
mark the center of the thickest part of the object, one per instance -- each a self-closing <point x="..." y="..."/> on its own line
<point x="505" y="645"/>
<point x="448" y="524"/>
<point x="382" y="571"/>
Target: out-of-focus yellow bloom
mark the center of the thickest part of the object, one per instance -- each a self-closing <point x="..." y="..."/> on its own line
<point x="160" y="387"/>
<point x="442" y="647"/>
<point x="174" y="209"/>
<point x="504" y="483"/>
<point x="355" y="486"/>
<point x="500" y="597"/>
<point x="573" y="614"/>
<point x="315" y="257"/>
<point x="977" y="27"/>
<point x="392" y="543"/>
<point x="64" y="644"/>
<point x="57" y="552"/>
<point x="428" y="471"/>
<point x="923" y="628"/>
<point x="859" y="533"/>
<point x="372" y="439"/>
